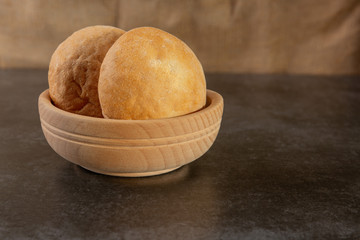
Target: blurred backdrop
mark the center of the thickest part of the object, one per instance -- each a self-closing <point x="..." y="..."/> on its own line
<point x="239" y="36"/>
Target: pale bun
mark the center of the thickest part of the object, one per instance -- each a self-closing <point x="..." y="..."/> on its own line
<point x="150" y="74"/>
<point x="74" y="69"/>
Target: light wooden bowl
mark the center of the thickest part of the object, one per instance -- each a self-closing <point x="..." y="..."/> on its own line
<point x="131" y="148"/>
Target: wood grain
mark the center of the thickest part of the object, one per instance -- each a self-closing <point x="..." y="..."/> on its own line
<point x="131" y="148"/>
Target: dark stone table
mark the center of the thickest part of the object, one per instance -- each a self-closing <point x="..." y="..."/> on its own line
<point x="285" y="165"/>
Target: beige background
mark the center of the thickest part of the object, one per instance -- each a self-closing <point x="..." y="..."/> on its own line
<point x="244" y="36"/>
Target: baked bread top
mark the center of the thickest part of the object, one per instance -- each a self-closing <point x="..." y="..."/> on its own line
<point x="74" y="69"/>
<point x="150" y="74"/>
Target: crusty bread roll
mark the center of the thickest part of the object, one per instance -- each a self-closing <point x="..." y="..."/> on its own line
<point x="149" y="74"/>
<point x="75" y="66"/>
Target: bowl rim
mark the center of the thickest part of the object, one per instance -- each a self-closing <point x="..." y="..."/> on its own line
<point x="213" y="100"/>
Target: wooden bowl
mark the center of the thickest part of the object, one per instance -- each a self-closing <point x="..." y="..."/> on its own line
<point x="131" y="148"/>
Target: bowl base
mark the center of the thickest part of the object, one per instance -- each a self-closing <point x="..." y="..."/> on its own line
<point x="137" y="174"/>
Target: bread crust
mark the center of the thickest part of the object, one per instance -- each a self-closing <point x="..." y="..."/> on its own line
<point x="74" y="69"/>
<point x="150" y="74"/>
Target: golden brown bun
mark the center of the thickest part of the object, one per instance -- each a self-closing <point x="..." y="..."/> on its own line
<point x="150" y="74"/>
<point x="74" y="69"/>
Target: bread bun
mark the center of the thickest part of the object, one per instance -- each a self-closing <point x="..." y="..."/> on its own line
<point x="149" y="74"/>
<point x="74" y="69"/>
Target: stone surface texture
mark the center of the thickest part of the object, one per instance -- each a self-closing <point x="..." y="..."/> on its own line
<point x="285" y="165"/>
